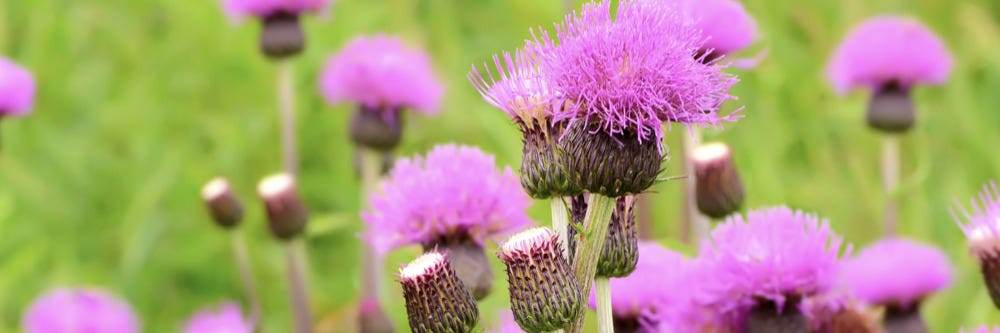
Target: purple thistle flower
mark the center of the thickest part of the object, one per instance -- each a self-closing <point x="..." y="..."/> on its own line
<point x="239" y="9"/>
<point x="453" y="192"/>
<point x="775" y="254"/>
<point x="17" y="89"/>
<point x="226" y="318"/>
<point x="727" y="26"/>
<point x="506" y="324"/>
<point x="79" y="310"/>
<point x="381" y="72"/>
<point x="889" y="50"/>
<point x="982" y="329"/>
<point x="686" y="307"/>
<point x="633" y="296"/>
<point x="630" y="74"/>
<point x="896" y="271"/>
<point x="982" y="225"/>
<point x="517" y="87"/>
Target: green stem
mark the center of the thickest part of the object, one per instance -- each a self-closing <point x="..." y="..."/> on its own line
<point x="246" y="275"/>
<point x="602" y="285"/>
<point x="560" y="223"/>
<point x="589" y="246"/>
<point x="890" y="180"/>
<point x="298" y="284"/>
<point x="286" y="113"/>
<point x="696" y="225"/>
<point x="372" y="268"/>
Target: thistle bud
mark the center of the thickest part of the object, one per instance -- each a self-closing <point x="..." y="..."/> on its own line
<point x="767" y="317"/>
<point x="891" y="109"/>
<point x="436" y="300"/>
<point x="469" y="261"/>
<point x="286" y="215"/>
<point x="544" y="295"/>
<point x="621" y="249"/>
<point x="226" y="209"/>
<point x="543" y="171"/>
<point x="718" y="189"/>
<point x="281" y="35"/>
<point x="612" y="166"/>
<point x="899" y="319"/>
<point x="377" y="129"/>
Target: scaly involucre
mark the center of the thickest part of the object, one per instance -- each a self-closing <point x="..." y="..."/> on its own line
<point x="17" y="89"/>
<point x="773" y="254"/>
<point x="515" y="85"/>
<point x="240" y="9"/>
<point x="381" y="72"/>
<point x="79" y="310"/>
<point x="454" y="191"/>
<point x="225" y="318"/>
<point x="897" y="271"/>
<point x="630" y="74"/>
<point x="889" y="49"/>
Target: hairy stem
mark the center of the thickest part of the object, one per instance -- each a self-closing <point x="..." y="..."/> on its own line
<point x="286" y="110"/>
<point x="295" y="255"/>
<point x="560" y="223"/>
<point x="589" y="246"/>
<point x="242" y="257"/>
<point x="890" y="181"/>
<point x="605" y="323"/>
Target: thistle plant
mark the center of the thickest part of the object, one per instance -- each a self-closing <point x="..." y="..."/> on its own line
<point x="544" y="294"/>
<point x="889" y="55"/>
<point x="227" y="212"/>
<point x="17" y="91"/>
<point x="287" y="217"/>
<point x="225" y="317"/>
<point x="79" y="310"/>
<point x="981" y="228"/>
<point x="436" y="299"/>
<point x="899" y="274"/>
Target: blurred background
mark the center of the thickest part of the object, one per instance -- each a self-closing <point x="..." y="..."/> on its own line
<point x="141" y="102"/>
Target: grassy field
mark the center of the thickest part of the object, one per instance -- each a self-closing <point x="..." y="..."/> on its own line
<point x="141" y="102"/>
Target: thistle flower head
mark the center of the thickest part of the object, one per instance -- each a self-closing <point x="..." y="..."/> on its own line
<point x="774" y="254"/>
<point x="453" y="192"/>
<point x="629" y="74"/>
<point x="17" y="89"/>
<point x="726" y="24"/>
<point x="517" y="87"/>
<point x="982" y="329"/>
<point x="896" y="271"/>
<point x="633" y="295"/>
<point x="240" y="9"/>
<point x="383" y="73"/>
<point x="79" y="310"/>
<point x="544" y="294"/>
<point x="224" y="318"/>
<point x="687" y="305"/>
<point x="889" y="50"/>
<point x="436" y="300"/>
<point x="982" y="224"/>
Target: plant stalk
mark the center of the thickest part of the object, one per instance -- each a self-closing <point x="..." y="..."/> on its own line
<point x="286" y="110"/>
<point x="589" y="246"/>
<point x="295" y="256"/>
<point x="560" y="223"/>
<point x="372" y="268"/>
<point x="605" y="323"/>
<point x="242" y="257"/>
<point x="696" y="225"/>
<point x="890" y="181"/>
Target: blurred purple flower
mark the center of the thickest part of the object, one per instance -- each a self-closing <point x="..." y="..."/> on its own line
<point x="381" y="72"/>
<point x="240" y="9"/>
<point x="982" y="329"/>
<point x="726" y="24"/>
<point x="687" y="308"/>
<point x="982" y="224"/>
<point x="79" y="310"/>
<point x="456" y="191"/>
<point x="889" y="50"/>
<point x="631" y="73"/>
<point x="17" y="89"/>
<point x="506" y="324"/>
<point x="226" y="318"/>
<point x="634" y="295"/>
<point x="774" y="254"/>
<point x="896" y="270"/>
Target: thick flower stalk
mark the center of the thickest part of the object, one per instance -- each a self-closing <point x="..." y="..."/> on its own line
<point x="451" y="200"/>
<point x="79" y="310"/>
<point x="897" y="273"/>
<point x="981" y="228"/>
<point x="17" y="90"/>
<point x="544" y="294"/>
<point x="763" y="265"/>
<point x="226" y="317"/>
<point x="287" y="217"/>
<point x="227" y="212"/>
<point x="436" y="300"/>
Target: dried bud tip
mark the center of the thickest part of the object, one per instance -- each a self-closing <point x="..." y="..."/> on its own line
<point x="528" y="240"/>
<point x="286" y="214"/>
<point x="718" y="188"/>
<point x="426" y="264"/>
<point x="226" y="209"/>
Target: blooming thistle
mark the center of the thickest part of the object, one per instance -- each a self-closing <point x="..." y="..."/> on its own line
<point x="226" y="317"/>
<point x="621" y="249"/>
<point x="718" y="189"/>
<point x="452" y="200"/>
<point x="436" y="300"/>
<point x="620" y="79"/>
<point x="382" y="76"/>
<point x="17" y="90"/>
<point x="763" y="265"/>
<point x="889" y="55"/>
<point x="544" y="295"/>
<point x="79" y="310"/>
<point x="898" y="273"/>
<point x="982" y="227"/>
<point x="281" y="35"/>
<point x="727" y="26"/>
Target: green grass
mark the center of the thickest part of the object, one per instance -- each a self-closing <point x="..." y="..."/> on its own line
<point x="141" y="102"/>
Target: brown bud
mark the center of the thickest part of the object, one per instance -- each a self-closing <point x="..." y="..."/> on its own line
<point x="226" y="209"/>
<point x="544" y="294"/>
<point x="281" y="35"/>
<point x="436" y="300"/>
<point x="718" y="189"/>
<point x="376" y="128"/>
<point x="891" y="109"/>
<point x="286" y="215"/>
<point x="899" y="319"/>
<point x="468" y="258"/>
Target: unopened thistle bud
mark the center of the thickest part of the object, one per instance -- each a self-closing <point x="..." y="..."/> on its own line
<point x="281" y="35"/>
<point x="377" y="129"/>
<point x="718" y="189"/>
<point x="436" y="300"/>
<point x="468" y="258"/>
<point x="891" y="109"/>
<point x="621" y="249"/>
<point x="286" y="214"/>
<point x="226" y="209"/>
<point x="544" y="295"/>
